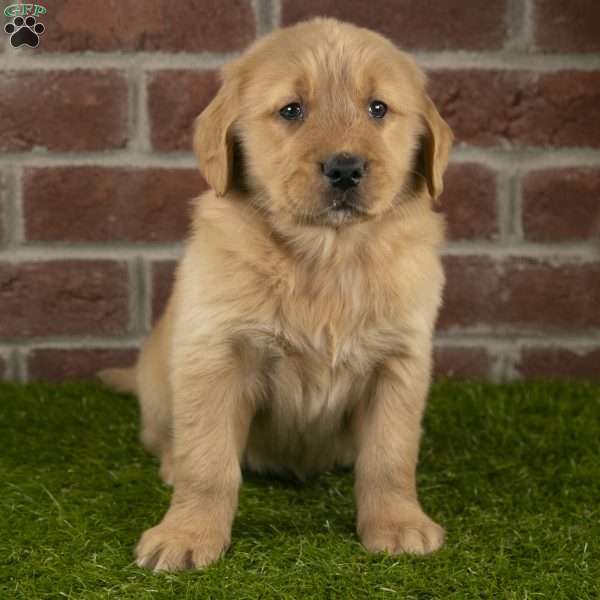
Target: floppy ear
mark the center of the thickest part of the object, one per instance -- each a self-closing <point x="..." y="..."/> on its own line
<point x="437" y="143"/>
<point x="213" y="136"/>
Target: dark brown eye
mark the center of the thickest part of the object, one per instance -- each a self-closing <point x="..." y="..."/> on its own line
<point x="292" y="112"/>
<point x="377" y="109"/>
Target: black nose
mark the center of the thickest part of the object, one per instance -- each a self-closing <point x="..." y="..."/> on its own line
<point x="344" y="171"/>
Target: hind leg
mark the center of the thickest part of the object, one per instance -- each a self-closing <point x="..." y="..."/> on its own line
<point x="156" y="429"/>
<point x="154" y="395"/>
<point x="167" y="467"/>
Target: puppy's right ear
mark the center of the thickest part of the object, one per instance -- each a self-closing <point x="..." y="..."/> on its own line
<point x="437" y="144"/>
<point x="213" y="135"/>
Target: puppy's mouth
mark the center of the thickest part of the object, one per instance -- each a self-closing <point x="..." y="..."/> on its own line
<point x="341" y="209"/>
<point x="344" y="204"/>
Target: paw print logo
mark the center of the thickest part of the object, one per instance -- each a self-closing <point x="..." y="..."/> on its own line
<point x="24" y="32"/>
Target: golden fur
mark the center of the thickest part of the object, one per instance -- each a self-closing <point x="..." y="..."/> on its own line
<point x="297" y="340"/>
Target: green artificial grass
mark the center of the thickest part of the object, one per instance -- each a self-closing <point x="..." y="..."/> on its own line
<point x="512" y="472"/>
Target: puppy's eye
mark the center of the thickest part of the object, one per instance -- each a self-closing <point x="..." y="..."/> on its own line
<point x="377" y="109"/>
<point x="292" y="112"/>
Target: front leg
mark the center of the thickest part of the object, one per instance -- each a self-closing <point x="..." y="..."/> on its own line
<point x="212" y="411"/>
<point x="388" y="430"/>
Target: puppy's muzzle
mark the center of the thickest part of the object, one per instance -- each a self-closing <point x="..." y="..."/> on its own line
<point x="344" y="171"/>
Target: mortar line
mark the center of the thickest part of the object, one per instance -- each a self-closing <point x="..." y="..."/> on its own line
<point x="460" y="343"/>
<point x="7" y="354"/>
<point x="444" y="59"/>
<point x="276" y="13"/>
<point x="526" y="158"/>
<point x="140" y="324"/>
<point x="581" y="252"/>
<point x="9" y="209"/>
<point x="560" y="252"/>
<point x="72" y="343"/>
<point x="528" y="26"/>
<point x="263" y="12"/>
<point x="18" y="219"/>
<point x="497" y="368"/>
<point x="133" y="280"/>
<point x="118" y="61"/>
<point x="143" y="121"/>
<point x="132" y="158"/>
<point x="512" y="357"/>
<point x="13" y="372"/>
<point x="66" y="253"/>
<point x="110" y="250"/>
<point x="456" y="339"/>
<point x="504" y="203"/>
<point x="518" y="27"/>
<point x="132" y="113"/>
<point x="21" y="368"/>
<point x="142" y="293"/>
<point x="459" y="339"/>
<point x="256" y="10"/>
<point x="577" y="347"/>
<point x="506" y="60"/>
<point x="517" y="207"/>
<point x="496" y="158"/>
<point x="148" y="299"/>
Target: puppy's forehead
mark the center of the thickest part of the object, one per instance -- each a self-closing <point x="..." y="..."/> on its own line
<point x="325" y="57"/>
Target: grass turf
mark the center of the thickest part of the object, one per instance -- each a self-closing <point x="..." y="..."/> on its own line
<point x="512" y="472"/>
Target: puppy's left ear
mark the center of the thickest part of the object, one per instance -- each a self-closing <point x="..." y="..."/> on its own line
<point x="437" y="143"/>
<point x="213" y="134"/>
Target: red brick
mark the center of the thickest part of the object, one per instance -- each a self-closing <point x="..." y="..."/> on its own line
<point x="572" y="26"/>
<point x="424" y="25"/>
<point x="561" y="204"/>
<point x="151" y="25"/>
<point x="520" y="295"/>
<point x="163" y="273"/>
<point x="68" y="297"/>
<point x="500" y="107"/>
<point x="462" y="362"/>
<point x="87" y="204"/>
<point x="56" y="364"/>
<point x="469" y="202"/>
<point x="175" y="99"/>
<point x="559" y="362"/>
<point x="472" y="288"/>
<point x="62" y="110"/>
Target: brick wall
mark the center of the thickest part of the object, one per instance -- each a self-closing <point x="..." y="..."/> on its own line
<point x="96" y="172"/>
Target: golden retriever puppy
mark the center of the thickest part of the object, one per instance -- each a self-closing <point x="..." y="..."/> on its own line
<point x="298" y="336"/>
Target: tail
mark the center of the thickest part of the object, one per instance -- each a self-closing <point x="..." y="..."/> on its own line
<point x="122" y="380"/>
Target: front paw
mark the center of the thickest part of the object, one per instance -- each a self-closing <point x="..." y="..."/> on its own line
<point x="175" y="548"/>
<point x="417" y="535"/>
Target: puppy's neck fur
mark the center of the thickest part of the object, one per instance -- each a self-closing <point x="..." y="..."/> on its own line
<point x="409" y="220"/>
<point x="316" y="260"/>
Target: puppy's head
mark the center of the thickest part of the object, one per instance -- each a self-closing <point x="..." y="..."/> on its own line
<point x="330" y="124"/>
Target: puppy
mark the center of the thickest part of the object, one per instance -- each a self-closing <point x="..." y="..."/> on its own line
<point x="298" y="336"/>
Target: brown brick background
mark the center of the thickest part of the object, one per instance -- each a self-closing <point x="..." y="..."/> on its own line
<point x="97" y="174"/>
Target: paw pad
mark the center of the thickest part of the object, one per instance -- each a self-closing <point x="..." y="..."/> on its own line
<point x="24" y="32"/>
